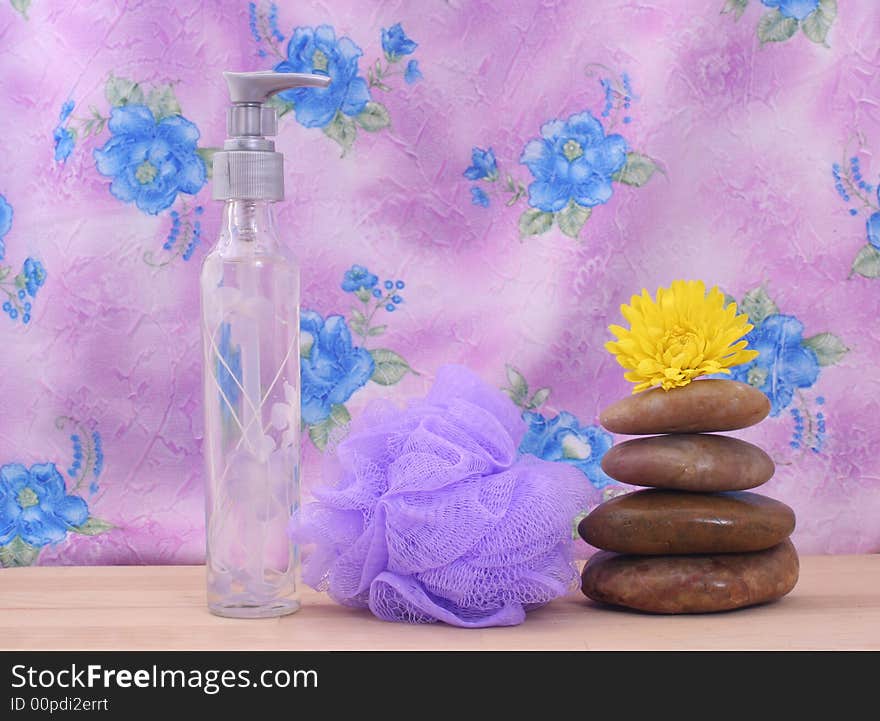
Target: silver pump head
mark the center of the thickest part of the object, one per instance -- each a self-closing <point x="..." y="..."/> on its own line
<point x="248" y="168"/>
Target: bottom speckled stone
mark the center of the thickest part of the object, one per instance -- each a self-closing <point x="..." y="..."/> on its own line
<point x="691" y="584"/>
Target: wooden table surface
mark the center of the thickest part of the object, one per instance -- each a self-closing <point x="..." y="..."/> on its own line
<point x="836" y="605"/>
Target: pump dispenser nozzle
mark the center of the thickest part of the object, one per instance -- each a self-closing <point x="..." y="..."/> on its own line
<point x="248" y="168"/>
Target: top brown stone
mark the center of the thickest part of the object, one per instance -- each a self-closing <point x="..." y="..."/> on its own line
<point x="703" y="406"/>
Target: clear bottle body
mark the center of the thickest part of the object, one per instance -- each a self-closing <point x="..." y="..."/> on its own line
<point x="250" y="334"/>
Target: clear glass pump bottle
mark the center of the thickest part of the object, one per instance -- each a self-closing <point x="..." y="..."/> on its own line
<point x="250" y="332"/>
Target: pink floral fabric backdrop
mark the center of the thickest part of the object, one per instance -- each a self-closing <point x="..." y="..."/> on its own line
<point x="483" y="183"/>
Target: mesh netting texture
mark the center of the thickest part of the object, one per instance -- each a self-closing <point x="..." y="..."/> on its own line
<point x="428" y="513"/>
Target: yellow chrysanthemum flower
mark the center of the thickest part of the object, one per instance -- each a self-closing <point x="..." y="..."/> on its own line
<point x="684" y="334"/>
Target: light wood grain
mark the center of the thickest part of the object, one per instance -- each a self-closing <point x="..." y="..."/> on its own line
<point x="836" y="605"/>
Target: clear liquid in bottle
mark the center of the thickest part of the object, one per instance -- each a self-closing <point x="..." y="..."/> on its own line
<point x="250" y="330"/>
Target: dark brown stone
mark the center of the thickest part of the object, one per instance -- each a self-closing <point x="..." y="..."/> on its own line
<point x="689" y="462"/>
<point x="703" y="406"/>
<point x="691" y="584"/>
<point x="655" y="522"/>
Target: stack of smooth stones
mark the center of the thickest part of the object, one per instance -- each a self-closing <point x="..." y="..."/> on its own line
<point x="697" y="540"/>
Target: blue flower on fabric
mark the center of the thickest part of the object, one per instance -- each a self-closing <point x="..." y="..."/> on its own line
<point x="395" y="43"/>
<point x="64" y="143"/>
<point x="5" y="223"/>
<point x="332" y="367"/>
<point x="34" y="276"/>
<point x="573" y="160"/>
<point x="34" y="505"/>
<point x="150" y="162"/>
<point x="358" y="277"/>
<point x="63" y="137"/>
<point x="412" y="73"/>
<point x="228" y="371"/>
<point x="483" y="165"/>
<point x="797" y="9"/>
<point x="873" y="228"/>
<point x="479" y="197"/>
<point x="783" y="364"/>
<point x="66" y="109"/>
<point x="316" y="50"/>
<point x="564" y="439"/>
<point x="273" y="23"/>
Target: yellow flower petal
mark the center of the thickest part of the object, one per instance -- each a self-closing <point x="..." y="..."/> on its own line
<point x="682" y="333"/>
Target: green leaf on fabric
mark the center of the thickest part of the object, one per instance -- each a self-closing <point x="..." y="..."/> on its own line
<point x="306" y="341"/>
<point x="331" y="428"/>
<point x="637" y="170"/>
<point x="342" y="130"/>
<point x="774" y="27"/>
<point x="339" y="415"/>
<point x="571" y="219"/>
<point x="757" y="305"/>
<point x="817" y="24"/>
<point x="122" y="91"/>
<point x="518" y="388"/>
<point x="21" y="7"/>
<point x="737" y="7"/>
<point x="867" y="262"/>
<point x="510" y="394"/>
<point x="363" y="295"/>
<point x="358" y="323"/>
<point x="377" y="330"/>
<point x="94" y="125"/>
<point x="282" y="107"/>
<point x="534" y="222"/>
<point x="358" y="328"/>
<point x="207" y="156"/>
<point x="18" y="553"/>
<point x="390" y="367"/>
<point x="357" y="316"/>
<point x="517" y="191"/>
<point x="829" y="349"/>
<point x="93" y="527"/>
<point x="539" y="399"/>
<point x="162" y="101"/>
<point x="373" y="117"/>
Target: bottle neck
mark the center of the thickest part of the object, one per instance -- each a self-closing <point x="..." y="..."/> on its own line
<point x="249" y="226"/>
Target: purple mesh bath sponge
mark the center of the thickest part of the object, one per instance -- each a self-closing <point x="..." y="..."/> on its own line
<point x="428" y="513"/>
